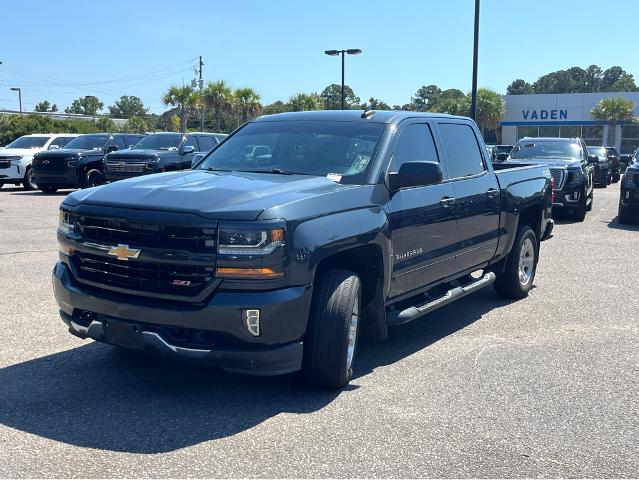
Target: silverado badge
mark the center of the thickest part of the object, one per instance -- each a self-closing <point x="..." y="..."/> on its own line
<point x="123" y="252"/>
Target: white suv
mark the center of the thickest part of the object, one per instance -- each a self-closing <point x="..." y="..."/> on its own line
<point x="15" y="158"/>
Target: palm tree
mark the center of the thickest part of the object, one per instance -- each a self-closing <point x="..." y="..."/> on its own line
<point x="305" y="101"/>
<point x="247" y="102"/>
<point x="613" y="111"/>
<point x="186" y="99"/>
<point x="217" y="96"/>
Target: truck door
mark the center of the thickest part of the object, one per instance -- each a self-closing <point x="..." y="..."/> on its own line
<point x="476" y="192"/>
<point x="421" y="219"/>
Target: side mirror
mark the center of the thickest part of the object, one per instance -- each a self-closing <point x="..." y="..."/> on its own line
<point x="416" y="174"/>
<point x="188" y="149"/>
<point x="592" y="158"/>
<point x="111" y="148"/>
<point x="502" y="157"/>
<point x="196" y="159"/>
<point x="53" y="147"/>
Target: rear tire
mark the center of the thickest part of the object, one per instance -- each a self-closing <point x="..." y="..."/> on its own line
<point x="622" y="215"/>
<point x="331" y="338"/>
<point x="48" y="189"/>
<point x="616" y="177"/>
<point x="521" y="265"/>
<point x="28" y="183"/>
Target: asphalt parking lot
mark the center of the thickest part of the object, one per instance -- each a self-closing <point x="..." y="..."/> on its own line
<point x="546" y="386"/>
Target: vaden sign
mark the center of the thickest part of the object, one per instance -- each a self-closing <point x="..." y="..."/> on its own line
<point x="554" y="114"/>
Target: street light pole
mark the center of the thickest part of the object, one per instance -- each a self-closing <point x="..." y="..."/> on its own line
<point x="473" y="103"/>
<point x="17" y="89"/>
<point x="333" y="53"/>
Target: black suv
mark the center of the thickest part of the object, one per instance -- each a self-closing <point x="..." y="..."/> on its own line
<point x="629" y="196"/>
<point x="615" y="167"/>
<point x="80" y="163"/>
<point x="571" y="168"/>
<point x="599" y="158"/>
<point x="159" y="152"/>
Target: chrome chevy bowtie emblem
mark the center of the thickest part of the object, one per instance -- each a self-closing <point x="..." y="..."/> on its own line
<point x="123" y="252"/>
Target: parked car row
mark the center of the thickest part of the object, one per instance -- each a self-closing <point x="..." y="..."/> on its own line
<point x="52" y="161"/>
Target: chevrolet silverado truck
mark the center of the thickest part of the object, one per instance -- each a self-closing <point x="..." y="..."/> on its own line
<point x="160" y="152"/>
<point x="570" y="166"/>
<point x="80" y="163"/>
<point x="270" y="264"/>
<point x="16" y="158"/>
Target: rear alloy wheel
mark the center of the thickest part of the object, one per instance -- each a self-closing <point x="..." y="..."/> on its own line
<point x="28" y="182"/>
<point x="521" y="265"/>
<point x="94" y="178"/>
<point x="331" y="338"/>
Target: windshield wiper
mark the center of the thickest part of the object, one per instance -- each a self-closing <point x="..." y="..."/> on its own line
<point x="277" y="171"/>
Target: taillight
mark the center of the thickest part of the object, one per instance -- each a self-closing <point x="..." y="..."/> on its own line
<point x="552" y="190"/>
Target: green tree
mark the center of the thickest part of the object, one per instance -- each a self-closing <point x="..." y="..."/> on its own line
<point x="301" y="102"/>
<point x="519" y="87"/>
<point x="136" y="124"/>
<point x="376" y="104"/>
<point x="88" y="105"/>
<point x="613" y="111"/>
<point x="490" y="109"/>
<point x="332" y="96"/>
<point x="247" y="102"/>
<point x="592" y="80"/>
<point x="218" y="96"/>
<point x="425" y="98"/>
<point x="45" y="106"/>
<point x="275" y="107"/>
<point x="105" y="124"/>
<point x="185" y="99"/>
<point x="449" y="101"/>
<point x="127" y="107"/>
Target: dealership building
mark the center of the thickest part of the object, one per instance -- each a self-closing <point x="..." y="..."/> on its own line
<point x="566" y="115"/>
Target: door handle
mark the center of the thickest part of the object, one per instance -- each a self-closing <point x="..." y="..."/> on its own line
<point x="492" y="192"/>
<point x="447" y="201"/>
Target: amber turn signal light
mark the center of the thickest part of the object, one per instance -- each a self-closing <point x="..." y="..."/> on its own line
<point x="225" y="272"/>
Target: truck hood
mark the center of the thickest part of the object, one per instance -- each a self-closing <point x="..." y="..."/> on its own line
<point x="137" y="154"/>
<point x="6" y="152"/>
<point x="219" y="195"/>
<point x="561" y="162"/>
<point x="68" y="152"/>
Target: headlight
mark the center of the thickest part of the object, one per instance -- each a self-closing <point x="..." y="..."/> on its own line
<point x="67" y="223"/>
<point x="16" y="160"/>
<point x="249" y="242"/>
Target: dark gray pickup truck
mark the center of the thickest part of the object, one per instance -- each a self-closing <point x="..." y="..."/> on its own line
<point x="297" y="231"/>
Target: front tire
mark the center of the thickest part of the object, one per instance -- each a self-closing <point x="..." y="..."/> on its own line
<point x="48" y="189"/>
<point x="331" y="338"/>
<point x="28" y="183"/>
<point x="94" y="178"/>
<point x="622" y="215"/>
<point x="521" y="265"/>
<point x="592" y="199"/>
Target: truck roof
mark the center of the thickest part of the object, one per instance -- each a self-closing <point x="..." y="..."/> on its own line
<point x="378" y="116"/>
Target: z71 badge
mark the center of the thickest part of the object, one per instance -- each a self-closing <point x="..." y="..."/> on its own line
<point x="411" y="253"/>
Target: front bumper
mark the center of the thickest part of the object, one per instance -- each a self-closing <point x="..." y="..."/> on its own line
<point x="14" y="173"/>
<point x="569" y="198"/>
<point x="62" y="178"/>
<point x="629" y="198"/>
<point x="150" y="325"/>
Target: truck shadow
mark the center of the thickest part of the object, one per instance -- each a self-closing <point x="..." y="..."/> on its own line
<point x="614" y="223"/>
<point x="94" y="396"/>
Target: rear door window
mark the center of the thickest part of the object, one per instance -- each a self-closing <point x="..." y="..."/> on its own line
<point x="206" y="143"/>
<point x="464" y="157"/>
<point x="191" y="141"/>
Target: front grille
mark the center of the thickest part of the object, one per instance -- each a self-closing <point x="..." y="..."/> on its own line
<point x="123" y="167"/>
<point x="113" y="231"/>
<point x="58" y="164"/>
<point x="143" y="276"/>
<point x="558" y="176"/>
<point x="5" y="163"/>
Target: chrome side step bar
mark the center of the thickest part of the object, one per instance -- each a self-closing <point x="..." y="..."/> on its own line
<point x="409" y="314"/>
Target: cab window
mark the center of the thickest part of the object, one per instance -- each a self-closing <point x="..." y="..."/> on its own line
<point x="414" y="144"/>
<point x="464" y="157"/>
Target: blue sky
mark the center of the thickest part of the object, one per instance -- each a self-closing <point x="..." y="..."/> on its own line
<point x="65" y="49"/>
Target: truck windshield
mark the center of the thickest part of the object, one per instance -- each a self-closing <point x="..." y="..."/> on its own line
<point x="164" y="141"/>
<point x="597" y="151"/>
<point x="28" y="142"/>
<point x="341" y="150"/>
<point x="546" y="149"/>
<point x="88" y="142"/>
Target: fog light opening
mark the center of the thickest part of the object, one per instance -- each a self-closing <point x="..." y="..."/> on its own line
<point x="252" y="321"/>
